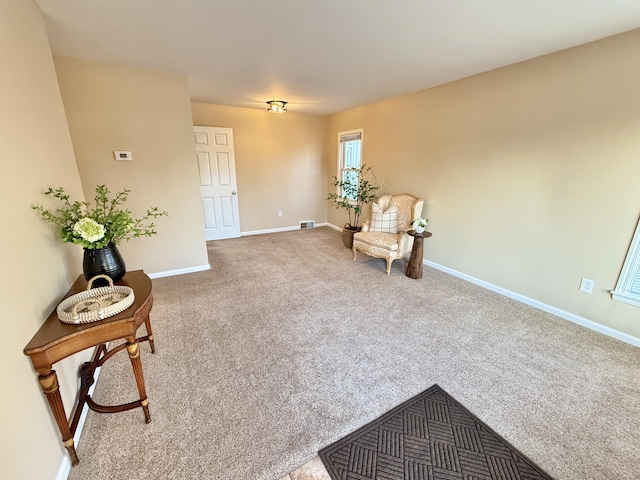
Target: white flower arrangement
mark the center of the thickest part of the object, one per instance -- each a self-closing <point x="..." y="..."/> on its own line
<point x="420" y="222"/>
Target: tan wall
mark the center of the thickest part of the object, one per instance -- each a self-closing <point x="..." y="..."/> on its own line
<point x="279" y="164"/>
<point x="37" y="268"/>
<point x="112" y="107"/>
<point x="530" y="172"/>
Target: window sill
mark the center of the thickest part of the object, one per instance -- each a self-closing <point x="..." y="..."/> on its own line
<point x="630" y="299"/>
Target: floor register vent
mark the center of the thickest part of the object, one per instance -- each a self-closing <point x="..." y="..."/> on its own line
<point x="307" y="224"/>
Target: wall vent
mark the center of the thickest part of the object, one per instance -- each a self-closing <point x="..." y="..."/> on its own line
<point x="307" y="224"/>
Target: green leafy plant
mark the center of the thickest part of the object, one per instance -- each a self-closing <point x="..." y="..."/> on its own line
<point x="354" y="191"/>
<point x="99" y="225"/>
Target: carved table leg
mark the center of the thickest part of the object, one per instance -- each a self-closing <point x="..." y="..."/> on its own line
<point x="147" y="323"/>
<point x="134" y="355"/>
<point x="49" y="383"/>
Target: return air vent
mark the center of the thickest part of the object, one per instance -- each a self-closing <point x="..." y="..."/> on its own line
<point x="307" y="224"/>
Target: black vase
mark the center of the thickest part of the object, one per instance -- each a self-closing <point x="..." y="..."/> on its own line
<point x="106" y="261"/>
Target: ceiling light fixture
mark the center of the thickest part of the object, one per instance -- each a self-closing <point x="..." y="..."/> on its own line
<point x="277" y="106"/>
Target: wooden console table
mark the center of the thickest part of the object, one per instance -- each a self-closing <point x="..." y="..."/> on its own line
<point x="414" y="268"/>
<point x="56" y="340"/>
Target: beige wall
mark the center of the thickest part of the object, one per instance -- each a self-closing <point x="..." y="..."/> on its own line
<point x="37" y="268"/>
<point x="530" y="172"/>
<point x="279" y="164"/>
<point x="112" y="107"/>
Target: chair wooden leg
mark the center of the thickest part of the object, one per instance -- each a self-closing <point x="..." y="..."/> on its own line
<point x="353" y="249"/>
<point x="389" y="260"/>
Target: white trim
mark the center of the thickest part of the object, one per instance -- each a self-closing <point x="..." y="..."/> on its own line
<point x="64" y="469"/>
<point x="335" y="227"/>
<point x="65" y="465"/>
<point x="281" y="229"/>
<point x="630" y="273"/>
<point x="621" y="297"/>
<point x="180" y="271"/>
<point x="340" y="161"/>
<point x="590" y="324"/>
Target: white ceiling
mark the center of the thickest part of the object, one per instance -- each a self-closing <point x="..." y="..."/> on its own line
<point x="324" y="56"/>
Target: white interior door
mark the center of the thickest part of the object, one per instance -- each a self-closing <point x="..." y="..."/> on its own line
<point x="218" y="187"/>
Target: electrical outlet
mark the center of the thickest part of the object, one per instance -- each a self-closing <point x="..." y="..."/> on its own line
<point x="279" y="213"/>
<point x="586" y="285"/>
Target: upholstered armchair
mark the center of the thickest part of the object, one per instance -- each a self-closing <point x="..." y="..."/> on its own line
<point x="386" y="237"/>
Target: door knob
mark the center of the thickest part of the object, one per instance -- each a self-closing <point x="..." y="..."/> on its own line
<point x="233" y="193"/>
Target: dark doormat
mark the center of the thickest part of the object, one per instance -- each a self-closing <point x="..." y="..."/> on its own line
<point x="429" y="437"/>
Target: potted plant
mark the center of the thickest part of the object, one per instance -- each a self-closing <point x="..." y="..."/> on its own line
<point x="99" y="228"/>
<point x="354" y="191"/>
<point x="419" y="224"/>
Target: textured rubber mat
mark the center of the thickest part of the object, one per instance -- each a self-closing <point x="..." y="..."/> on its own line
<point x="429" y="437"/>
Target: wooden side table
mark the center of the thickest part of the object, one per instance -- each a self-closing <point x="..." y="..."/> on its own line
<point x="56" y="340"/>
<point x="414" y="268"/>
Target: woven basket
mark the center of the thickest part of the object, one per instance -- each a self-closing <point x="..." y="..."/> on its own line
<point x="95" y="303"/>
<point x="347" y="235"/>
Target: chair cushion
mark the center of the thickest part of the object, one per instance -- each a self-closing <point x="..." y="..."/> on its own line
<point x="388" y="241"/>
<point x="384" y="221"/>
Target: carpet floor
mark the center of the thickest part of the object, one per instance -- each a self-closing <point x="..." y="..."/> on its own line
<point x="286" y="345"/>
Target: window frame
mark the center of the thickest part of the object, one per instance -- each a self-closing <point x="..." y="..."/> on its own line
<point x="630" y="274"/>
<point x="342" y="169"/>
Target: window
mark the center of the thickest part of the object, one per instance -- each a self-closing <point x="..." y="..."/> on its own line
<point x="349" y="155"/>
<point x="628" y="286"/>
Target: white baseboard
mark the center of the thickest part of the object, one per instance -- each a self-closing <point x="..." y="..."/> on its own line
<point x="276" y="230"/>
<point x="64" y="469"/>
<point x="180" y="271"/>
<point x="65" y="465"/>
<point x="590" y="324"/>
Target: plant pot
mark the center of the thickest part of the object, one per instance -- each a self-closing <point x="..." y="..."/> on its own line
<point x="419" y="229"/>
<point x="105" y="261"/>
<point x="347" y="235"/>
